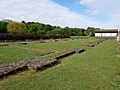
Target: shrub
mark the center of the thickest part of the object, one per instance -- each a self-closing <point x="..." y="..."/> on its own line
<point x="8" y="36"/>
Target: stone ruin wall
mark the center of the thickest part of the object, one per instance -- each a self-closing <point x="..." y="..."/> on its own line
<point x="37" y="63"/>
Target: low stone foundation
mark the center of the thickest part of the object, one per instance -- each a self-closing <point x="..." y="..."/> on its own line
<point x="94" y="43"/>
<point x="35" y="63"/>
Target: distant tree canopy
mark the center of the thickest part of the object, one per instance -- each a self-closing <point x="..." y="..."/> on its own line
<point x="3" y="27"/>
<point x="16" y="27"/>
<point x="90" y="31"/>
<point x="40" y="28"/>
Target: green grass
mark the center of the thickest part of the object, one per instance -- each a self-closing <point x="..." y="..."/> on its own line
<point x="96" y="69"/>
<point x="32" y="49"/>
<point x="59" y="46"/>
<point x="11" y="53"/>
<point x="81" y="37"/>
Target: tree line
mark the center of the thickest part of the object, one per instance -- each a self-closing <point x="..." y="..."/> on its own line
<point x="8" y="26"/>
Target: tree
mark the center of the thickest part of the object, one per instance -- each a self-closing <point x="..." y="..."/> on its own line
<point x="65" y="31"/>
<point x="82" y="32"/>
<point x="92" y="34"/>
<point x="32" y="29"/>
<point x="56" y="31"/>
<point x="48" y="28"/>
<point x="42" y="32"/>
<point x="90" y="31"/>
<point x="72" y="31"/>
<point x="16" y="28"/>
<point x="23" y="21"/>
<point x="3" y="27"/>
<point x="35" y="28"/>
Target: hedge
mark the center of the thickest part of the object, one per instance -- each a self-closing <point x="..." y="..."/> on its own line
<point x="29" y="36"/>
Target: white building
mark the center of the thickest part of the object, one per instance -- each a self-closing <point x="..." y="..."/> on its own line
<point x="106" y="32"/>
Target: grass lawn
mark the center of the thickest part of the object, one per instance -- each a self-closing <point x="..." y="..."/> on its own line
<point x="60" y="45"/>
<point x="11" y="53"/>
<point x="32" y="49"/>
<point x="96" y="69"/>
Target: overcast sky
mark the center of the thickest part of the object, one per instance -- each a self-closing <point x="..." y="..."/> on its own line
<point x="72" y="13"/>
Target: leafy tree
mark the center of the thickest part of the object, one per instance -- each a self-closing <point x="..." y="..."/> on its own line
<point x="35" y="28"/>
<point x="85" y="33"/>
<point x="42" y="32"/>
<point x="76" y="32"/>
<point x="48" y="28"/>
<point x="3" y="27"/>
<point x="90" y="31"/>
<point x="91" y="34"/>
<point x="81" y="33"/>
<point x="32" y="29"/>
<point x="23" y="21"/>
<point x="40" y="28"/>
<point x="56" y="31"/>
<point x="16" y="27"/>
<point x="72" y="31"/>
<point x="65" y="31"/>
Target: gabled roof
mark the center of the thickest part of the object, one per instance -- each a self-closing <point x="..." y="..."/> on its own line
<point x="107" y="31"/>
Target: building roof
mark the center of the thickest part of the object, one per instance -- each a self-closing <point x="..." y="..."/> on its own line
<point x="107" y="31"/>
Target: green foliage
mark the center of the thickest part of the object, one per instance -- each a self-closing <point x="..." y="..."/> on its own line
<point x="77" y="32"/>
<point x="92" y="34"/>
<point x="36" y="28"/>
<point x="16" y="28"/>
<point x="56" y="31"/>
<point x="42" y="32"/>
<point x="47" y="28"/>
<point x="81" y="33"/>
<point x="65" y="31"/>
<point x="3" y="27"/>
<point x="32" y="29"/>
<point x="90" y="31"/>
<point x="40" y="28"/>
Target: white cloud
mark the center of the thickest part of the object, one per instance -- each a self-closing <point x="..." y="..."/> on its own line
<point x="93" y="12"/>
<point x="45" y="11"/>
<point x="106" y="9"/>
<point x="87" y="1"/>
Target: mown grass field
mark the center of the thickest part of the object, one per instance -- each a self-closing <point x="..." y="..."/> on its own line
<point x="96" y="69"/>
<point x="32" y="49"/>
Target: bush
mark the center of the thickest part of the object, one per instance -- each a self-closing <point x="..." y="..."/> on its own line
<point x="29" y="36"/>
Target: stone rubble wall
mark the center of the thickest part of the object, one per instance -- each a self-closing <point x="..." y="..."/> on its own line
<point x="34" y="63"/>
<point x="94" y="43"/>
<point x="41" y="61"/>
